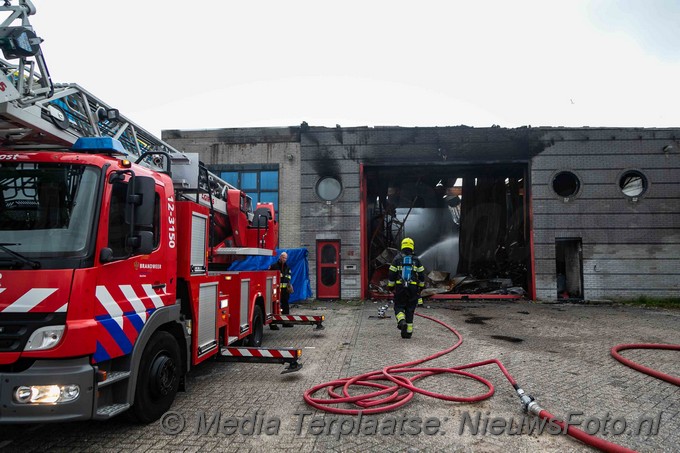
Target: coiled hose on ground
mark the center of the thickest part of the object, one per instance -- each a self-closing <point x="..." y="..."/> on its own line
<point x="394" y="389"/>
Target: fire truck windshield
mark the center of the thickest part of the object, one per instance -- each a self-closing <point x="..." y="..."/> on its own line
<point x="47" y="209"/>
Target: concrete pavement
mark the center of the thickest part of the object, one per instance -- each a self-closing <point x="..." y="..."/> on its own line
<point x="558" y="353"/>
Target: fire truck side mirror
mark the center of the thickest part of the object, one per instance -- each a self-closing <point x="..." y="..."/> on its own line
<point x="141" y="242"/>
<point x="141" y="201"/>
<point x="106" y="255"/>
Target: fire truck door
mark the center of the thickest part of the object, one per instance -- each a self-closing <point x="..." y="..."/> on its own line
<point x="128" y="289"/>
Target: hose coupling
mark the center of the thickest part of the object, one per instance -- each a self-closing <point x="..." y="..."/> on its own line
<point x="534" y="408"/>
<point x="525" y="399"/>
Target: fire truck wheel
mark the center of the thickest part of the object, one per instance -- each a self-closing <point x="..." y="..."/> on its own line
<point x="255" y="338"/>
<point x="158" y="378"/>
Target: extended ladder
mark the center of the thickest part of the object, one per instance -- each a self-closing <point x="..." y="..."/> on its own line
<point x="37" y="113"/>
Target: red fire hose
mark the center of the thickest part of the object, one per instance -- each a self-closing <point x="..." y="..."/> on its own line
<point x="394" y="389"/>
<point x="643" y="369"/>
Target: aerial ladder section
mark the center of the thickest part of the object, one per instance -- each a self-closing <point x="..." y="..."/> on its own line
<point x="37" y="113"/>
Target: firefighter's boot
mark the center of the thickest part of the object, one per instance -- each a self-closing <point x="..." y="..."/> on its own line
<point x="401" y="321"/>
<point x="408" y="331"/>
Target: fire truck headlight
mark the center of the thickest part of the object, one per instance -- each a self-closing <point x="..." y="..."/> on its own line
<point x="45" y="338"/>
<point x="22" y="394"/>
<point x="68" y="393"/>
<point x="46" y="394"/>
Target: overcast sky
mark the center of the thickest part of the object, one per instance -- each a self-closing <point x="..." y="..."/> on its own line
<point x="169" y="64"/>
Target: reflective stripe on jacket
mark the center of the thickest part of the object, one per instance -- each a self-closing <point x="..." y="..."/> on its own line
<point x="286" y="274"/>
<point x="417" y="274"/>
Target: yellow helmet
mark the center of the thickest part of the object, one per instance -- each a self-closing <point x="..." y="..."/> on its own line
<point x="407" y="243"/>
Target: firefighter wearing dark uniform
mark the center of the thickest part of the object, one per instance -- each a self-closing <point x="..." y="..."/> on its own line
<point x="286" y="285"/>
<point x="406" y="279"/>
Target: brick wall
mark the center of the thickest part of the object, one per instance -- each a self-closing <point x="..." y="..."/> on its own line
<point x="221" y="148"/>
<point x="340" y="152"/>
<point x="336" y="220"/>
<point x="630" y="247"/>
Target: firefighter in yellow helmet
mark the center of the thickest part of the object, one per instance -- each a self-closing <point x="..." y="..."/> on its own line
<point x="406" y="279"/>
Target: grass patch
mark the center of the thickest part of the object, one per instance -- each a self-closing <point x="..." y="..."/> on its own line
<point x="657" y="302"/>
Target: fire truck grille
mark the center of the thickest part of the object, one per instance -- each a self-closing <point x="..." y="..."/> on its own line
<point x="17" y="328"/>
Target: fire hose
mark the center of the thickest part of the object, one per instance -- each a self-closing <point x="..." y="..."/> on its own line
<point x="401" y="389"/>
<point x="643" y="369"/>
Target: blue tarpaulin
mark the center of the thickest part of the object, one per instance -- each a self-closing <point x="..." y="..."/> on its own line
<point x="299" y="267"/>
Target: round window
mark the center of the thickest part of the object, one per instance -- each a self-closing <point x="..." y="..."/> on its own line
<point x="328" y="188"/>
<point x="566" y="184"/>
<point x="633" y="183"/>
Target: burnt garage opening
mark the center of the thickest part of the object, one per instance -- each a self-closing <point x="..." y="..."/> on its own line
<point x="469" y="223"/>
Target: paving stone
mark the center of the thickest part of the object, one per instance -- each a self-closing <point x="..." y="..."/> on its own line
<point x="557" y="353"/>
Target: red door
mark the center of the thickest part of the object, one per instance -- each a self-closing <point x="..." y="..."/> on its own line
<point x="328" y="269"/>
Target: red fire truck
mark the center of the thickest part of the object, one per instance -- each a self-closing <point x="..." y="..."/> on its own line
<point x="114" y="255"/>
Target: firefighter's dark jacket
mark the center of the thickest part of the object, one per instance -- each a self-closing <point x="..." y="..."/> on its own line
<point x="286" y="274"/>
<point x="394" y="280"/>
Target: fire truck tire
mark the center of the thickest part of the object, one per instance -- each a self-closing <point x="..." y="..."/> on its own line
<point x="158" y="379"/>
<point x="255" y="339"/>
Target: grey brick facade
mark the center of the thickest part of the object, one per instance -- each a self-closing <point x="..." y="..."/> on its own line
<point x="629" y="247"/>
<point x="226" y="148"/>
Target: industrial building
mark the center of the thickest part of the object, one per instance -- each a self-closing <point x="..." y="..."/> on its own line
<point x="544" y="213"/>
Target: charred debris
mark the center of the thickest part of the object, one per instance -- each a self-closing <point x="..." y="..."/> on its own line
<point x="469" y="224"/>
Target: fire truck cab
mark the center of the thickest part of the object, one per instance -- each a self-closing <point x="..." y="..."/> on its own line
<point x="115" y="251"/>
<point x="107" y="279"/>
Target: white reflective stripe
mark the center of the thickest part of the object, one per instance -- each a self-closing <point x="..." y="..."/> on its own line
<point x="137" y="304"/>
<point x="151" y="293"/>
<point x="266" y="353"/>
<point x="2" y="289"/>
<point x="63" y="308"/>
<point x="245" y="352"/>
<point x="30" y="300"/>
<point x="110" y="305"/>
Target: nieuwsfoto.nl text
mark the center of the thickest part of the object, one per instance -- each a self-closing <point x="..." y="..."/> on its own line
<point x="304" y="423"/>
